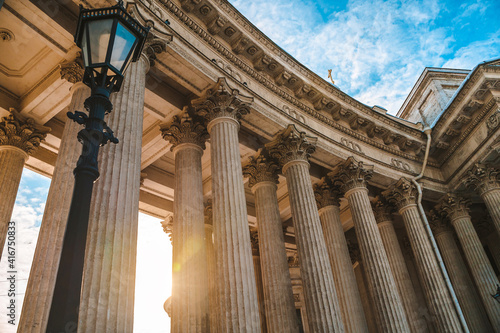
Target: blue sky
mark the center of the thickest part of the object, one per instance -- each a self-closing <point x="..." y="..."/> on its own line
<point x="377" y="50"/>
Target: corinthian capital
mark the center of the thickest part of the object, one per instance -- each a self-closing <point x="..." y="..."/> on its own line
<point x="454" y="206"/>
<point x="222" y="101"/>
<point x="21" y="132"/>
<point x="184" y="129"/>
<point x="482" y="178"/>
<point x="382" y="210"/>
<point x="155" y="45"/>
<point x="168" y="225"/>
<point x="401" y="194"/>
<point x="73" y="71"/>
<point x="254" y="239"/>
<point x="291" y="145"/>
<point x="351" y="174"/>
<point x="261" y="169"/>
<point x="437" y="222"/>
<point x="326" y="193"/>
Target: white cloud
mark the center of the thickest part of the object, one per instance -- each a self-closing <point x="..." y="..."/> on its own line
<point x="377" y="49"/>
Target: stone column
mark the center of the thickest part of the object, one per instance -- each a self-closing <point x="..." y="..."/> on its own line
<point x="484" y="179"/>
<point x="398" y="266"/>
<point x="487" y="233"/>
<point x="237" y="294"/>
<point x="351" y="177"/>
<point x="327" y="200"/>
<point x="457" y="210"/>
<point x="277" y="285"/>
<point x="293" y="149"/>
<point x="365" y="297"/>
<point x="211" y="267"/>
<point x="190" y="292"/>
<point x="19" y="138"/>
<point x="468" y="298"/>
<point x="43" y="273"/>
<point x="404" y="196"/>
<point x="107" y="303"/>
<point x="254" y="236"/>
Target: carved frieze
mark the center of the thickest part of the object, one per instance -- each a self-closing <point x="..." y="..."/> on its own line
<point x="351" y="145"/>
<point x="216" y="25"/>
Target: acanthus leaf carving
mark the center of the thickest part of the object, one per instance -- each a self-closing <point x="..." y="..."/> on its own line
<point x="454" y="206"/>
<point x="21" y="132"/>
<point x="402" y="194"/>
<point x="326" y="193"/>
<point x="482" y="178"/>
<point x="291" y="145"/>
<point x="351" y="174"/>
<point x="261" y="169"/>
<point x="184" y="129"/>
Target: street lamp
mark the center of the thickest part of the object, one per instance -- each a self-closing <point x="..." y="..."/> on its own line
<point x="110" y="39"/>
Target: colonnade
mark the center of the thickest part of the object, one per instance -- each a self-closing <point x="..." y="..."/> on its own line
<point x="215" y="285"/>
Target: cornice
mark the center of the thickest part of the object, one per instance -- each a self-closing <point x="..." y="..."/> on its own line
<point x="270" y="85"/>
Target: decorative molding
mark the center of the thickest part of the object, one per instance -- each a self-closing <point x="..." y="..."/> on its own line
<point x="184" y="129"/>
<point x="454" y="206"/>
<point x="382" y="210"/>
<point x="291" y="145"/>
<point x="22" y="132"/>
<point x="222" y="101"/>
<point x="6" y="35"/>
<point x="437" y="222"/>
<point x="72" y="71"/>
<point x="351" y="145"/>
<point x="351" y="174"/>
<point x="326" y="194"/>
<point x="261" y="169"/>
<point x="482" y="178"/>
<point x="401" y="194"/>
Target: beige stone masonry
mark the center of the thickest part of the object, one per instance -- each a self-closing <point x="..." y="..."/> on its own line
<point x="403" y="196"/>
<point x="293" y="148"/>
<point x="327" y="200"/>
<point x="189" y="277"/>
<point x="43" y="273"/>
<point x="398" y="266"/>
<point x="456" y="208"/>
<point x="19" y="138"/>
<point x="484" y="179"/>
<point x="238" y="309"/>
<point x="351" y="176"/>
<point x="470" y="302"/>
<point x="277" y="286"/>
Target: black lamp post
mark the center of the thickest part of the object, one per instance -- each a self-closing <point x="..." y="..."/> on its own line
<point x="110" y="39"/>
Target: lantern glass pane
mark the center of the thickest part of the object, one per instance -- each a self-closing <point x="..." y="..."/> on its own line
<point x="85" y="48"/>
<point x="123" y="46"/>
<point x="99" y="33"/>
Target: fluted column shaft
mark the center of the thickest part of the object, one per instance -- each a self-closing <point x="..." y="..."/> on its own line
<point x="365" y="297"/>
<point x="480" y="267"/>
<point x="343" y="274"/>
<point x="40" y="288"/>
<point x="322" y="305"/>
<point x="386" y="300"/>
<point x="436" y="292"/>
<point x="260" y="291"/>
<point x="277" y="285"/>
<point x="238" y="308"/>
<point x="190" y="292"/>
<point x="211" y="269"/>
<point x="469" y="300"/>
<point x="107" y="303"/>
<point x="492" y="200"/>
<point x="11" y="169"/>
<point x="401" y="276"/>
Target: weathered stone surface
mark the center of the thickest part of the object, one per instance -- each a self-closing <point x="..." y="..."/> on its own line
<point x="351" y="177"/>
